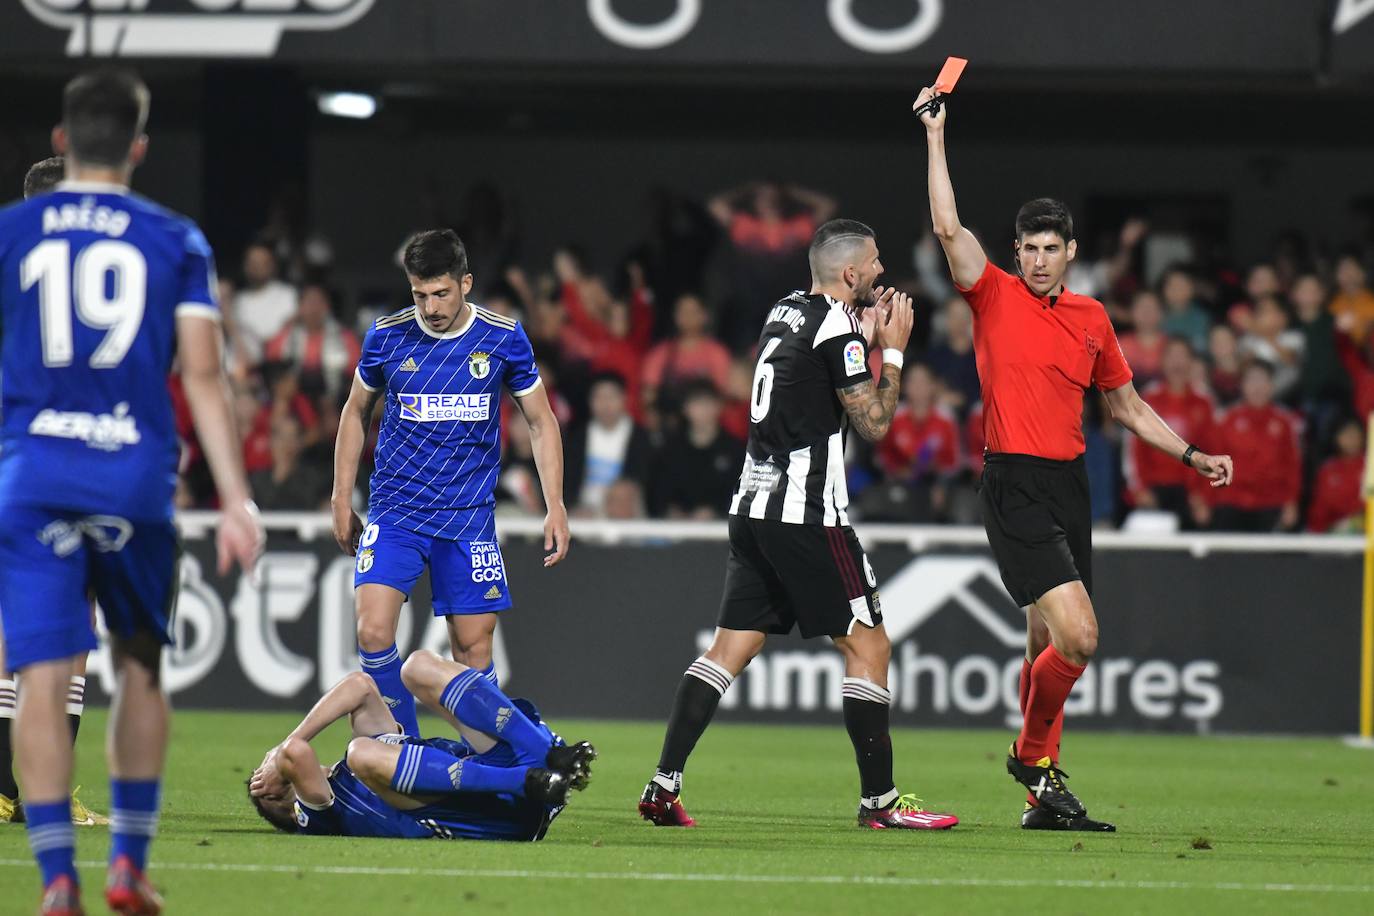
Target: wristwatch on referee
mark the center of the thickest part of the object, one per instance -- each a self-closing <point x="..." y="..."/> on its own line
<point x="1188" y="455"/>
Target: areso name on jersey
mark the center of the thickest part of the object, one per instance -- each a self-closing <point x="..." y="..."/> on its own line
<point x="432" y="408"/>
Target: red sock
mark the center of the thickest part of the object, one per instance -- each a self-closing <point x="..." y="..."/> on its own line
<point x="1052" y="677"/>
<point x="1056" y="734"/>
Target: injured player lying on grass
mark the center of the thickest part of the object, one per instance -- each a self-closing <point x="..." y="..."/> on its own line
<point x="505" y="778"/>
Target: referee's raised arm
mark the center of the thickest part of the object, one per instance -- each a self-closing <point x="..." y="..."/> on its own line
<point x="966" y="257"/>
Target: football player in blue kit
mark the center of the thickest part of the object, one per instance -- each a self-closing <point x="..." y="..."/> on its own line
<point x="440" y="367"/>
<point x="98" y="289"/>
<point x="41" y="178"/>
<point x="506" y="778"/>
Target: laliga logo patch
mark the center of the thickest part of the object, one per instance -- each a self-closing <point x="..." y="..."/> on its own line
<point x="365" y="559"/>
<point x="853" y="358"/>
<point x="479" y="364"/>
<point x="189" y="28"/>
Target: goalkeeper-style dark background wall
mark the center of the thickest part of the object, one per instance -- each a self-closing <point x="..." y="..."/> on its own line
<point x="1234" y="642"/>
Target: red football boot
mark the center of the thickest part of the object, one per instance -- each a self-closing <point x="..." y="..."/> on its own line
<point x="61" y="898"/>
<point x="128" y="893"/>
<point x="905" y="813"/>
<point x="662" y="808"/>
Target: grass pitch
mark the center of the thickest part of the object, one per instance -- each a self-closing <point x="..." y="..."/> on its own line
<point x="1207" y="825"/>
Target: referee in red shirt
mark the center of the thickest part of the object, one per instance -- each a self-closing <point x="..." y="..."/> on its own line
<point x="1039" y="348"/>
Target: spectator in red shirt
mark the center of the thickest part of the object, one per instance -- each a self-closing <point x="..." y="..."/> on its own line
<point x="612" y="335"/>
<point x="1337" y="503"/>
<point x="734" y="414"/>
<point x="923" y="441"/>
<point x="689" y="355"/>
<point x="769" y="228"/>
<point x="919" y="456"/>
<point x="1155" y="480"/>
<point x="322" y="352"/>
<point x="254" y="421"/>
<point x="1143" y="345"/>
<point x="1223" y="375"/>
<point x="1264" y="495"/>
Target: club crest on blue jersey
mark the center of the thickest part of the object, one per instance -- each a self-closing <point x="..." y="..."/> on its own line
<point x="479" y="363"/>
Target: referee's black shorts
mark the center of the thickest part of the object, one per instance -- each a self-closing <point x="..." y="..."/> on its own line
<point x="782" y="575"/>
<point x="1039" y="522"/>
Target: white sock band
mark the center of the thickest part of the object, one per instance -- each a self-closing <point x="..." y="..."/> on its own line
<point x="8" y="699"/>
<point x="857" y="688"/>
<point x="880" y="801"/>
<point x="76" y="695"/>
<point x="706" y="670"/>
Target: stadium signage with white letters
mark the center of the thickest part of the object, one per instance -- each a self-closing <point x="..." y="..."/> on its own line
<point x="1179" y="36"/>
<point x="1188" y="644"/>
<point x="951" y="678"/>
<point x="189" y="28"/>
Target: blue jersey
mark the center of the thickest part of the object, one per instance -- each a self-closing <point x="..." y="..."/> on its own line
<point x="439" y="451"/>
<point x="92" y="278"/>
<point x="358" y="811"/>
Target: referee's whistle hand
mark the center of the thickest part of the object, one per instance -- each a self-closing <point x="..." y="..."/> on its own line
<point x="934" y="121"/>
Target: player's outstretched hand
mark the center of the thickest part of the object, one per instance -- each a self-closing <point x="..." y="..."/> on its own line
<point x="894" y="324"/>
<point x="348" y="528"/>
<point x="556" y="535"/>
<point x="1217" y="468"/>
<point x="241" y="538"/>
<point x="934" y="121"/>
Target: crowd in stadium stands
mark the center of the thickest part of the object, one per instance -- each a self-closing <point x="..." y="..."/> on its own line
<point x="649" y="367"/>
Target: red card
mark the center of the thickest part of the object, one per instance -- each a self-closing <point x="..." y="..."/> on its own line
<point x="949" y="74"/>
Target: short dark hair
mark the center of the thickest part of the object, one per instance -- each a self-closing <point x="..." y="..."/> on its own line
<point x="278" y="818"/>
<point x="103" y="112"/>
<point x="833" y="232"/>
<point x="434" y="253"/>
<point x="1173" y="340"/>
<point x="1262" y="365"/>
<point x="44" y="175"/>
<point x="1044" y="214"/>
<point x="614" y="378"/>
<point x="700" y="388"/>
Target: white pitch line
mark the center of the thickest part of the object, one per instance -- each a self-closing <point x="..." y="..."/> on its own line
<point x="705" y="878"/>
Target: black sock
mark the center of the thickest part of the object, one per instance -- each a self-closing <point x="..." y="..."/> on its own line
<point x="704" y="683"/>
<point x="8" y="787"/>
<point x="866" y="707"/>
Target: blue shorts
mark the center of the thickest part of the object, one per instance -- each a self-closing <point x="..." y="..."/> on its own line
<point x="53" y="561"/>
<point x="466" y="577"/>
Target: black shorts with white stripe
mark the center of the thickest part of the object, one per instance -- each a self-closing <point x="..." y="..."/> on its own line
<point x="812" y="577"/>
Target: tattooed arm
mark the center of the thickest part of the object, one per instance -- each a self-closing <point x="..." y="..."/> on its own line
<point x="870" y="407"/>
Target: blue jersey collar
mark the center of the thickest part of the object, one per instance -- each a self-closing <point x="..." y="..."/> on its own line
<point x="92" y="187"/>
<point x="448" y="335"/>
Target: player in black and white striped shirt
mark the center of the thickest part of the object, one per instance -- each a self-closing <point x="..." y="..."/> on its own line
<point x="794" y="561"/>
